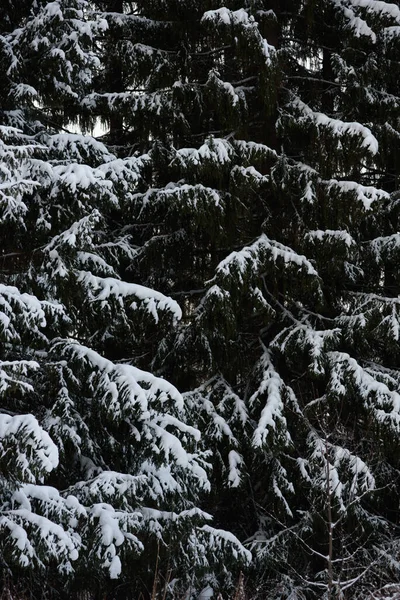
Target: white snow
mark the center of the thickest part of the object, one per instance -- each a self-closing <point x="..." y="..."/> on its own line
<point x="382" y="9"/>
<point x="228" y="17"/>
<point x="224" y="86"/>
<point x="269" y="393"/>
<point x="356" y="24"/>
<point x="338" y="127"/>
<point x="104" y="288"/>
<point x="381" y="401"/>
<point x="206" y="593"/>
<point x="57" y="541"/>
<point x="78" y="147"/>
<point x="214" y="150"/>
<point x="235" y="463"/>
<point x="242" y="22"/>
<point x="385" y="245"/>
<point x="24" y="430"/>
<point x="77" y="177"/>
<point x="339" y="235"/>
<point x="368" y="195"/>
<point x="352" y="9"/>
<point x="219" y="536"/>
<point x="126" y="387"/>
<point x="190" y="196"/>
<point x="109" y="485"/>
<point x="252" y="258"/>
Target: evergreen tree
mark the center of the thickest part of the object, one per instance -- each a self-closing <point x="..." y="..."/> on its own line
<point x="100" y="463"/>
<point x="249" y="175"/>
<point x="271" y="131"/>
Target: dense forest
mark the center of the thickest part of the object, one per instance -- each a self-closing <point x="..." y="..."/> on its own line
<point x="199" y="299"/>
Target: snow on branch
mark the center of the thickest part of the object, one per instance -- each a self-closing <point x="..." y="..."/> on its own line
<point x="33" y="537"/>
<point x="164" y="479"/>
<point x="79" y="234"/>
<point x="244" y="179"/>
<point x="23" y="315"/>
<point x="305" y="338"/>
<point x="332" y="236"/>
<point x="13" y="375"/>
<point x="26" y="450"/>
<point x="66" y="37"/>
<point x="224" y="89"/>
<point x="367" y="195"/>
<point x="362" y="477"/>
<point x="43" y="526"/>
<point x="385" y="247"/>
<point x="356" y="24"/>
<point x="79" y="148"/>
<point x="253" y="259"/>
<point x="337" y="127"/>
<point x="390" y="324"/>
<point x="153" y="407"/>
<point x="349" y="476"/>
<point x="185" y="198"/>
<point x="382" y="402"/>
<point x="16" y="309"/>
<point x="281" y="485"/>
<point x="270" y="394"/>
<point x="133" y="388"/>
<point x="112" y="528"/>
<point x="214" y="151"/>
<point x="228" y="17"/>
<point x="253" y="151"/>
<point x="16" y="151"/>
<point x="109" y="486"/>
<point x="243" y="25"/>
<point x="236" y="465"/>
<point x="382" y="313"/>
<point x="77" y="178"/>
<point x="223" y="415"/>
<point x="220" y="542"/>
<point x="125" y="173"/>
<point x="352" y="9"/>
<point x="102" y="289"/>
<point x="378" y="8"/>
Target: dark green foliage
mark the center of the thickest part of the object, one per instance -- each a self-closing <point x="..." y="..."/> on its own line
<point x="247" y="172"/>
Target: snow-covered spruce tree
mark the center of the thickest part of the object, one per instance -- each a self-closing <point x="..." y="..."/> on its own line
<point x="271" y="214"/>
<point x="100" y="467"/>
